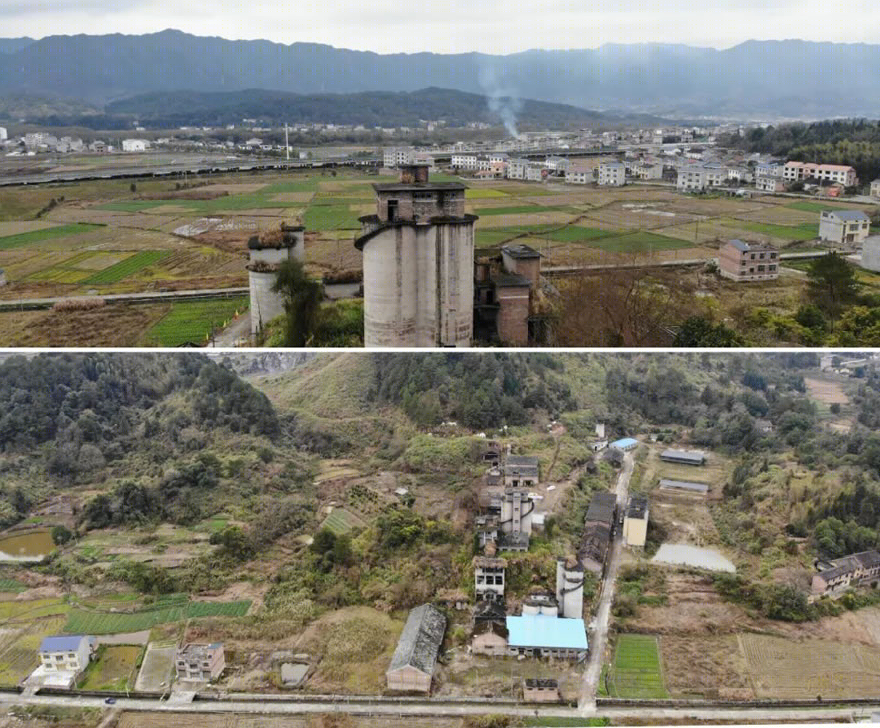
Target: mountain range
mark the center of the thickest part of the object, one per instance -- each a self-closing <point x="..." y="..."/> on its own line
<point x="791" y="78"/>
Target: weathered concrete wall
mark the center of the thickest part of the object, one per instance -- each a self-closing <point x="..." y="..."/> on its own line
<point x="513" y="315"/>
<point x="871" y="253"/>
<point x="265" y="304"/>
<point x="527" y="267"/>
<point x="418" y="286"/>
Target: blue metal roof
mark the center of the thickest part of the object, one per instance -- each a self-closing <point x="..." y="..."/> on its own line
<point x="541" y="630"/>
<point x="61" y="643"/>
<point x="624" y="443"/>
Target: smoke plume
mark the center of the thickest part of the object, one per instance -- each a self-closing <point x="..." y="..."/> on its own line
<point x="504" y="102"/>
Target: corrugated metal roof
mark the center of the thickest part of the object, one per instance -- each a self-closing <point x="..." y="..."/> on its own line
<point x="624" y="443"/>
<point x="538" y="630"/>
<point x="61" y="643"/>
<point x="420" y="640"/>
<point x="849" y="215"/>
<point x="694" y="456"/>
<point x="684" y="485"/>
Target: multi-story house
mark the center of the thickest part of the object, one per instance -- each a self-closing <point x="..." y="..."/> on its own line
<point x="769" y="184"/>
<point x="65" y="653"/>
<point x="838" y="575"/>
<point x="875" y="189"/>
<point x="200" y="662"/>
<point x="612" y="174"/>
<point x="846" y="229"/>
<point x="466" y="161"/>
<point x="832" y="173"/>
<point x="579" y="173"/>
<point x="516" y="168"/>
<point x="741" y="261"/>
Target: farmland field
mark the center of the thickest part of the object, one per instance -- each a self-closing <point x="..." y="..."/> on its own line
<point x="80" y="621"/>
<point x="193" y="321"/>
<point x="126" y="267"/>
<point x="18" y="657"/>
<point x="781" y="668"/>
<point x="635" y="671"/>
<point x="112" y="669"/>
<point x="38" y="236"/>
<point x="787" y="232"/>
<point x="341" y="521"/>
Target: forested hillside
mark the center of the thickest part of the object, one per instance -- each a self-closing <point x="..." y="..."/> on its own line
<point x="852" y="142"/>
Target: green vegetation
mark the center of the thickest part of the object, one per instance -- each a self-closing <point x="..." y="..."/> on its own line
<point x="112" y="668"/>
<point x="38" y="236"/>
<point x="331" y="217"/>
<point x="80" y="621"/>
<point x="191" y="322"/>
<point x="302" y="297"/>
<point x="787" y="232"/>
<point x="127" y="267"/>
<point x="341" y="521"/>
<point x="635" y="671"/>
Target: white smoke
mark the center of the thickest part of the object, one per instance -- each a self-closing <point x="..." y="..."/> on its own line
<point x="505" y="102"/>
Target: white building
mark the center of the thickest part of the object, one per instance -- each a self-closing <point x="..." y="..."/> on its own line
<point x="691" y="179"/>
<point x="535" y="172"/>
<point x="579" y="173"/>
<point x="3" y="135"/>
<point x="135" y="145"/>
<point x="397" y="156"/>
<point x="516" y="168"/>
<point x="65" y="653"/>
<point x="831" y="173"/>
<point x="612" y="174"/>
<point x="769" y="184"/>
<point x="557" y="165"/>
<point x="466" y="161"/>
<point x="875" y="188"/>
<point x="844" y="228"/>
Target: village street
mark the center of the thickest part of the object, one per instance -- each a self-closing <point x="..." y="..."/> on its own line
<point x="598" y="638"/>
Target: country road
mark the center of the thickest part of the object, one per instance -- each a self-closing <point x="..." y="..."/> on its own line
<point x="599" y="636"/>
<point x="436" y="708"/>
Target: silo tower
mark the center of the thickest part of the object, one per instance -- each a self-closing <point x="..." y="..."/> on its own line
<point x="266" y="252"/>
<point x="418" y="264"/>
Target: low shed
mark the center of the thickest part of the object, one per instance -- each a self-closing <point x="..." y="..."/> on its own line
<point x="413" y="662"/>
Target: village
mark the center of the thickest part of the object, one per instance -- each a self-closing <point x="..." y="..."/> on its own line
<point x="549" y="642"/>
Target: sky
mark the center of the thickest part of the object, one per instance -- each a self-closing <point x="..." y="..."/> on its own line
<point x="457" y="26"/>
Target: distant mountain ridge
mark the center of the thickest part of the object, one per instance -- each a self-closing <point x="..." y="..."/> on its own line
<point x="789" y="78"/>
<point x="373" y="108"/>
<point x="13" y="45"/>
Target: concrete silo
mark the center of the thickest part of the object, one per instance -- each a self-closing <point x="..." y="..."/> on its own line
<point x="418" y="264"/>
<point x="871" y="253"/>
<point x="266" y="252"/>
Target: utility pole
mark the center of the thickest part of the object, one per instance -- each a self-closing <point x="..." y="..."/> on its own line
<point x="286" y="144"/>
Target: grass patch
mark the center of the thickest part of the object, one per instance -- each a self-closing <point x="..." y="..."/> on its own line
<point x="11" y="586"/>
<point x="641" y="242"/>
<point x="112" y="669"/>
<point x="517" y="210"/>
<point x="38" y="236"/>
<point x="127" y="267"/>
<point x="79" y="621"/>
<point x="635" y="672"/>
<point x="481" y="193"/>
<point x="32" y="609"/>
<point x="577" y="234"/>
<point x="786" y="232"/>
<point x="191" y="322"/>
<point x="331" y="217"/>
<point x="805" y="206"/>
<point x="341" y="521"/>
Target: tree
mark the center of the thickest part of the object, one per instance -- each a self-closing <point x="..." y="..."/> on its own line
<point x="832" y="283"/>
<point x="61" y="535"/>
<point x="698" y="331"/>
<point x="302" y="302"/>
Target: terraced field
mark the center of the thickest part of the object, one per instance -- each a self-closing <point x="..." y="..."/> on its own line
<point x="191" y="322"/>
<point x="38" y="236"/>
<point x="782" y="668"/>
<point x="80" y="621"/>
<point x="127" y="267"/>
<point x="341" y="521"/>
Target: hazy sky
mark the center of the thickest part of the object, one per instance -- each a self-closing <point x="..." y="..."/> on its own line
<point x="451" y="26"/>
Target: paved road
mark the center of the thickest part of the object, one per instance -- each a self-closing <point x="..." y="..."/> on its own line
<point x="144" y="297"/>
<point x="599" y="636"/>
<point x="442" y="709"/>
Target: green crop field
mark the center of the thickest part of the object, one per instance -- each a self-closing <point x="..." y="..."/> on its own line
<point x="482" y="193"/>
<point x="641" y="242"/>
<point x="577" y="234"/>
<point x="341" y="521"/>
<point x="635" y="671"/>
<point x="193" y="321"/>
<point x="786" y="232"/>
<point x="38" y="236"/>
<point x="331" y="217"/>
<point x="112" y="669"/>
<point x="21" y="610"/>
<point x="516" y="210"/>
<point x="127" y="267"/>
<point x="80" y="621"/>
<point x="9" y="586"/>
<point x="806" y="206"/>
